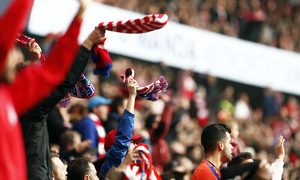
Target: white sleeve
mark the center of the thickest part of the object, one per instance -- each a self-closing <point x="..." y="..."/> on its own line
<point x="277" y="168"/>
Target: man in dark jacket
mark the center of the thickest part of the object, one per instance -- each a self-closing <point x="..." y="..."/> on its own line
<point x="34" y="125"/>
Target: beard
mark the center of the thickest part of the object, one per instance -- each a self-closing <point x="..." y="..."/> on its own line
<point x="226" y="156"/>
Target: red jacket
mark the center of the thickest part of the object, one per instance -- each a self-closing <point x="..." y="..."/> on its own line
<point x="31" y="85"/>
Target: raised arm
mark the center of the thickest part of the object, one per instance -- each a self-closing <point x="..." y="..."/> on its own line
<point x="40" y="80"/>
<point x="77" y="68"/>
<point x="117" y="152"/>
<point x="11" y="23"/>
<point x="277" y="166"/>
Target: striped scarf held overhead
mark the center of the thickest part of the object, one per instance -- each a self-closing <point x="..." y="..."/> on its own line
<point x="140" y="25"/>
<point x="145" y="24"/>
<point x="83" y="88"/>
<point x="151" y="91"/>
<point x="143" y="168"/>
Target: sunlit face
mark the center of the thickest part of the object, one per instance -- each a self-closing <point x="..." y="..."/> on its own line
<point x="227" y="150"/>
<point x="93" y="172"/>
<point x="102" y="112"/>
<point x="59" y="171"/>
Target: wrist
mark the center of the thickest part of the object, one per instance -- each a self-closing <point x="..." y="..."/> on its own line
<point x="88" y="44"/>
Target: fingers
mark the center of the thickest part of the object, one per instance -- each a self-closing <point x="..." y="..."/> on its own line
<point x="135" y="155"/>
<point x="31" y="42"/>
<point x="280" y="141"/>
<point x="130" y="80"/>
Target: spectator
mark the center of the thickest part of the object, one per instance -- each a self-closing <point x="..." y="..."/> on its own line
<point x="119" y="141"/>
<point x="90" y="126"/>
<point x="34" y="125"/>
<point x="215" y="140"/>
<point x="277" y="166"/>
<point x="116" y="173"/>
<point x="23" y="90"/>
<point x="58" y="168"/>
<point x="72" y="145"/>
<point x="117" y="108"/>
<point x="158" y="126"/>
<point x="81" y="169"/>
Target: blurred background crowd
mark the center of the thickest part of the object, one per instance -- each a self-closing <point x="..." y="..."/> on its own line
<point x="271" y="22"/>
<point x="256" y="116"/>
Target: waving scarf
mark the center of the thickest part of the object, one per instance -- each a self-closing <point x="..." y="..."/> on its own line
<point x="151" y="91"/>
<point x="83" y="88"/>
<point x="145" y="24"/>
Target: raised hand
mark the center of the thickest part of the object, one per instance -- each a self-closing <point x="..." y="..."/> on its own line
<point x="132" y="85"/>
<point x="96" y="36"/>
<point x="280" y="152"/>
<point x="34" y="50"/>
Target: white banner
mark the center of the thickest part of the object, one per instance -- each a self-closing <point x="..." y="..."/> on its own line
<point x="179" y="46"/>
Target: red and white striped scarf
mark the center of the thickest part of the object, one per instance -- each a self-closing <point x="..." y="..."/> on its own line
<point x="101" y="134"/>
<point x="151" y="91"/>
<point x="143" y="169"/>
<point x="83" y="88"/>
<point x="140" y="25"/>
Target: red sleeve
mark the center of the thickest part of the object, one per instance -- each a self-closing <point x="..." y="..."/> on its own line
<point x="35" y="82"/>
<point x="12" y="22"/>
<point x="166" y="118"/>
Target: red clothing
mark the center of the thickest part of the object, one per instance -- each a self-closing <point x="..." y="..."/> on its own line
<point x="101" y="134"/>
<point x="160" y="149"/>
<point x="31" y="85"/>
<point x="206" y="171"/>
<point x="11" y="22"/>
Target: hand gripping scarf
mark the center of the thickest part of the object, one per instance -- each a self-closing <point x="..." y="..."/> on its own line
<point x="23" y="41"/>
<point x="145" y="24"/>
<point x="83" y="88"/>
<point x="143" y="168"/>
<point x="151" y="91"/>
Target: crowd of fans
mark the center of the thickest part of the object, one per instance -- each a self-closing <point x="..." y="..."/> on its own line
<point x="271" y="22"/>
<point x="171" y="127"/>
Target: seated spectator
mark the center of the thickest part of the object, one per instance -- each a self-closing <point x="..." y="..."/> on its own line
<point x="81" y="169"/>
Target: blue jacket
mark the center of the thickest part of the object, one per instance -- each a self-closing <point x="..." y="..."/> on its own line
<point x="87" y="128"/>
<point x="117" y="152"/>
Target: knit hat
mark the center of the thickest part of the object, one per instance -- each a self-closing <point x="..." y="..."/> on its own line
<point x="110" y="139"/>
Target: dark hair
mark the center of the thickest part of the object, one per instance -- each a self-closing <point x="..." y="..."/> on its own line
<point x="212" y="135"/>
<point x="67" y="137"/>
<point x="150" y="120"/>
<point x="77" y="107"/>
<point x="118" y="101"/>
<point x="78" y="168"/>
<point x="240" y="158"/>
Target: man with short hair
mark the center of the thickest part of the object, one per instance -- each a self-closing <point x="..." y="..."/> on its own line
<point x="58" y="168"/>
<point x="217" y="146"/>
<point x="81" y="169"/>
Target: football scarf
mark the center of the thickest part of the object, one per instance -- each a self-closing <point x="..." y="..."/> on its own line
<point x="151" y="91"/>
